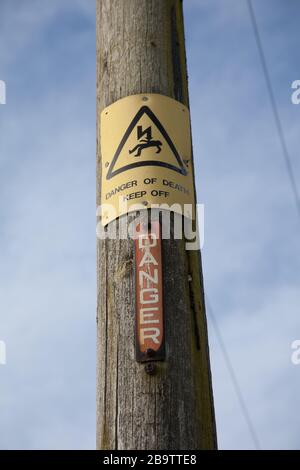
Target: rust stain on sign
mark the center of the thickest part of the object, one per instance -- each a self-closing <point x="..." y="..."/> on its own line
<point x="149" y="293"/>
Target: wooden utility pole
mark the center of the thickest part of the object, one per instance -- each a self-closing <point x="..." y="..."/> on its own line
<point x="141" y="49"/>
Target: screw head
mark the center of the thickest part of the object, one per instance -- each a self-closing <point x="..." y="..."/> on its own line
<point x="150" y="352"/>
<point x="150" y="368"/>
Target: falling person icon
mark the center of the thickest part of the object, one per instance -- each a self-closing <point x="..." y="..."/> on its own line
<point x="146" y="142"/>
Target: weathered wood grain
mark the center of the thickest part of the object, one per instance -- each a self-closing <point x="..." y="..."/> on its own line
<point x="140" y="49"/>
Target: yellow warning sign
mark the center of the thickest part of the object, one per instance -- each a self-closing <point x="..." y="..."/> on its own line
<point x="146" y="156"/>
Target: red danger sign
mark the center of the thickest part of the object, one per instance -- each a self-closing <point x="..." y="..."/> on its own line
<point x="149" y="293"/>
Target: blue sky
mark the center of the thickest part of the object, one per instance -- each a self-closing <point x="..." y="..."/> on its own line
<point x="251" y="256"/>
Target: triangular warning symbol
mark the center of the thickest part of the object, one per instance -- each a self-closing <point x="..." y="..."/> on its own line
<point x="145" y="143"/>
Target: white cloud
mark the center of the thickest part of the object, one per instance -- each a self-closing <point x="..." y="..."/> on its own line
<point x="259" y="345"/>
<point x="47" y="274"/>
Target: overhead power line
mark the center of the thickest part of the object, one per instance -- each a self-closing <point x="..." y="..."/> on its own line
<point x="233" y="376"/>
<point x="287" y="158"/>
<point x="295" y="192"/>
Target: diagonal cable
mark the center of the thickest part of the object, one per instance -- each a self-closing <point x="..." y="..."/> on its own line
<point x="233" y="377"/>
<point x="287" y="158"/>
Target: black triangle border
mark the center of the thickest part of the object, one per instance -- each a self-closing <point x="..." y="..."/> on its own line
<point x="145" y="110"/>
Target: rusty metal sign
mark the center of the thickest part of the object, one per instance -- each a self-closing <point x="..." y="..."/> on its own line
<point x="146" y="156"/>
<point x="149" y="293"/>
